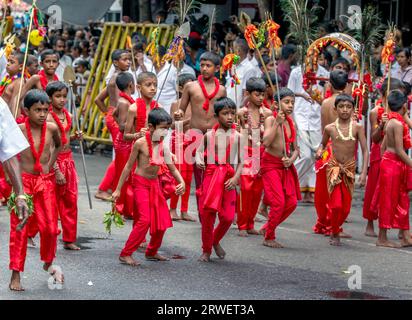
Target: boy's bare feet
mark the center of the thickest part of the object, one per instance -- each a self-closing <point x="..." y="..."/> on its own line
<point x="205" y="257"/>
<point x="219" y="251"/>
<point x="335" y="240"/>
<point x="103" y="195"/>
<point x="31" y="243"/>
<point x="242" y="233"/>
<point x="262" y="232"/>
<point x="143" y="245"/>
<point x="263" y="211"/>
<point x="15" y="284"/>
<point x="71" y="246"/>
<point x="345" y="235"/>
<point x="129" y="261"/>
<point x="406" y="240"/>
<point x="400" y="235"/>
<point x="174" y="215"/>
<point x="370" y="231"/>
<point x="387" y="244"/>
<point x="253" y="232"/>
<point x="156" y="257"/>
<point x="187" y="217"/>
<point x="272" y="244"/>
<point x="311" y="197"/>
<point x="234" y="220"/>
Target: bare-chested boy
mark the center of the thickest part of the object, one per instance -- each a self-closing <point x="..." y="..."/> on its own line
<point x="345" y="134"/>
<point x="338" y="80"/>
<point x="149" y="153"/>
<point x="280" y="178"/>
<point x="202" y="94"/>
<point x="39" y="181"/>
<point x="394" y="175"/>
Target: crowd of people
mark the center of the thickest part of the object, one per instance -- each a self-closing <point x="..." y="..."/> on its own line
<point x="252" y="146"/>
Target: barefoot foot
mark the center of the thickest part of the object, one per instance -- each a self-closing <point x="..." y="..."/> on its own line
<point x="387" y="244"/>
<point x="187" y="217"/>
<point x="129" y="261"/>
<point x="156" y="257"/>
<point x="103" y="195"/>
<point x="71" y="246"/>
<point x="242" y="233"/>
<point x="15" y="284"/>
<point x="253" y="232"/>
<point x="205" y="257"/>
<point x="219" y="251"/>
<point x="272" y="244"/>
<point x="174" y="215"/>
<point x="335" y="241"/>
<point x="345" y="235"/>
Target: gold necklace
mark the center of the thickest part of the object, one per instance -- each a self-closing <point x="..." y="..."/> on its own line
<point x="340" y="134"/>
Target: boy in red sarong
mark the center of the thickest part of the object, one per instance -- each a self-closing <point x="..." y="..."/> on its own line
<point x="345" y="135"/>
<point x="279" y="175"/>
<point x="38" y="181"/>
<point x="252" y="120"/>
<point x="395" y="174"/>
<point x="65" y="169"/>
<point x="217" y="194"/>
<point x="153" y="213"/>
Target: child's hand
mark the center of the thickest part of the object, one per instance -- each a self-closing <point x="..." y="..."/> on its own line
<point x="280" y="118"/>
<point x="178" y="115"/>
<point x="231" y="183"/>
<point x="116" y="195"/>
<point x="60" y="179"/>
<point x="180" y="189"/>
<point x="78" y="135"/>
<point x="287" y="162"/>
<point x="384" y="118"/>
<point x="362" y="180"/>
<point x="140" y="134"/>
<point x="201" y="165"/>
<point x="319" y="154"/>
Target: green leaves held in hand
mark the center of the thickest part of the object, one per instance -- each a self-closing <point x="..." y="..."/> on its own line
<point x="12" y="207"/>
<point x="112" y="217"/>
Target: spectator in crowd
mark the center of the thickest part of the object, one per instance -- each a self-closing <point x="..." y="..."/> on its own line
<point x="288" y="59"/>
<point x="404" y="73"/>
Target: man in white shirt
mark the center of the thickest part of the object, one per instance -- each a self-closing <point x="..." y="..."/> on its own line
<point x="12" y="142"/>
<point x="244" y="71"/>
<point x="309" y="135"/>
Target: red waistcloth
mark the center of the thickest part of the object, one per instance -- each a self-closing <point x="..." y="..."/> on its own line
<point x="42" y="188"/>
<point x="67" y="196"/>
<point x="152" y="212"/>
<point x="369" y="213"/>
<point x="393" y="196"/>
<point x="282" y="192"/>
<point x="339" y="205"/>
<point x="322" y="225"/>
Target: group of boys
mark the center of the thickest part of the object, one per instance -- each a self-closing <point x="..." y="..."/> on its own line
<point x="224" y="145"/>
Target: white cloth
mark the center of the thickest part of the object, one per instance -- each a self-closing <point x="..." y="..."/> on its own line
<point x="244" y="71"/>
<point x="308" y="142"/>
<point x="306" y="115"/>
<point x="12" y="140"/>
<point x="187" y="69"/>
<point x="168" y="95"/>
<point x="3" y="64"/>
<point x="64" y="62"/>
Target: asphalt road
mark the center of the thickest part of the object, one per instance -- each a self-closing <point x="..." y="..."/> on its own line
<point x="308" y="268"/>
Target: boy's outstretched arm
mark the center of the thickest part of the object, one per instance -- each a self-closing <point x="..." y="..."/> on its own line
<point x="362" y="141"/>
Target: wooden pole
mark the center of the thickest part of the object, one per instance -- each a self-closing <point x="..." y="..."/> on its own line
<point x="26" y="53"/>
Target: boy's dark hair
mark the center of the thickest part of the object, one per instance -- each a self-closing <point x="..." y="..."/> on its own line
<point x="54" y="87"/>
<point x="35" y="96"/>
<point x="162" y="51"/>
<point x="344" y="97"/>
<point x="184" y="78"/>
<point x="83" y="63"/>
<point x="255" y="84"/>
<point x="272" y="76"/>
<point x="342" y="61"/>
<point x="395" y="84"/>
<point x="138" y="47"/>
<point x="408" y="87"/>
<point x="222" y="103"/>
<point x="123" y="80"/>
<point x="117" y="54"/>
<point x="31" y="59"/>
<point x="19" y="55"/>
<point x="266" y="60"/>
<point x="288" y="50"/>
<point x="212" y="57"/>
<point x="396" y="100"/>
<point x="338" y="79"/>
<point x="157" y="116"/>
<point x="283" y="93"/>
<point x="145" y="75"/>
<point x="48" y="52"/>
